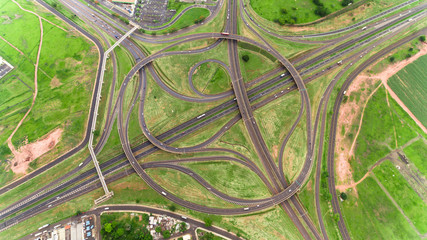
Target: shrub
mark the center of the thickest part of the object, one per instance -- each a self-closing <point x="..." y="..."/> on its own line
<point x="284" y="10"/>
<point x="343" y="196"/>
<point x="321" y="11"/>
<point x="166" y="234"/>
<point x="345" y="3"/>
<point x="172" y="208"/>
<point x="245" y="58"/>
<point x="208" y="222"/>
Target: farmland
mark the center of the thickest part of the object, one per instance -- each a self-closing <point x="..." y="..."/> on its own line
<point x="410" y="86"/>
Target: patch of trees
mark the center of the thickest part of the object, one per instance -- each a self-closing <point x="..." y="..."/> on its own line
<point x="345" y="3"/>
<point x="208" y="222"/>
<point x="125" y="228"/>
<point x="324" y="189"/>
<point x="207" y="236"/>
<point x="320" y="10"/>
<point x="285" y="18"/>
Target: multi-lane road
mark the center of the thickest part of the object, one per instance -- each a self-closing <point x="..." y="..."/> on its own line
<point x="281" y="191"/>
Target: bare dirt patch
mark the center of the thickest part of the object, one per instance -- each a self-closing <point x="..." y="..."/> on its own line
<point x="349" y="112"/>
<point x="275" y="151"/>
<point x="27" y="153"/>
<point x="55" y="83"/>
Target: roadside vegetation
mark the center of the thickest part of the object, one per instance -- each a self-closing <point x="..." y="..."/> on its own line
<point x="125" y="226"/>
<point x="190" y="17"/>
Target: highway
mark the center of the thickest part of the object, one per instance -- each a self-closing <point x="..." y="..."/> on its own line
<point x="244" y="107"/>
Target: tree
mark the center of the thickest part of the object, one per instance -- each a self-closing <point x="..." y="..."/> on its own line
<point x="166" y="234"/>
<point x="336" y="217"/>
<point x="96" y="133"/>
<point x="391" y="59"/>
<point x="343" y="196"/>
<point x="321" y="11"/>
<point x="411" y="49"/>
<point x="78" y="212"/>
<point x="145" y="235"/>
<point x="207" y="236"/>
<point x="120" y="232"/>
<point x="108" y="228"/>
<point x="145" y="219"/>
<point x="208" y="222"/>
<point x="422" y="38"/>
<point x="245" y="58"/>
<point x="158" y="229"/>
<point x="345" y="3"/>
<point x="182" y="227"/>
<point x="172" y="208"/>
<point x="284" y="10"/>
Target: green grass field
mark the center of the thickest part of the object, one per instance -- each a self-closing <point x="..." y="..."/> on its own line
<point x="410" y="86"/>
<point x="416" y="153"/>
<point x="255" y="66"/>
<point x="186" y="188"/>
<point x="413" y="206"/>
<point x="211" y="78"/>
<point x="230" y="178"/>
<point x="371" y="215"/>
<point x="174" y="69"/>
<point x="65" y="78"/>
<point x="376" y="138"/>
<point x="187" y="19"/>
<point x="302" y="10"/>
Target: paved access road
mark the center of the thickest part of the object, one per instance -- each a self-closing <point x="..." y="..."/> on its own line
<point x="129" y="152"/>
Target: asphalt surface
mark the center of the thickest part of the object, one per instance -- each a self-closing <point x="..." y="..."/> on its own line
<point x="184" y="169"/>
